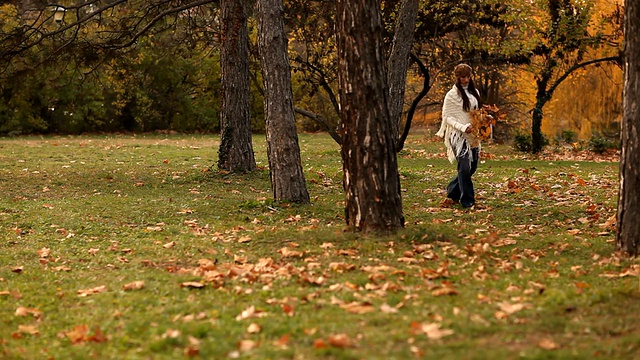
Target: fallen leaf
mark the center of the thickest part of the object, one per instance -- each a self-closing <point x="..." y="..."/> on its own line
<point x="44" y="252"/>
<point x="511" y="308"/>
<point x="61" y="268"/>
<point x="98" y="336"/>
<point x="244" y="239"/>
<point x="95" y="290"/>
<point x="340" y="341"/>
<point x="388" y="309"/>
<point x="171" y="334"/>
<point x="169" y="245"/>
<point x="207" y="264"/>
<point x="192" y="285"/>
<point x="136" y="285"/>
<point x="24" y="311"/>
<point x="358" y="307"/>
<point x="78" y="334"/>
<point x="288" y="309"/>
<point x="547" y="344"/>
<point x="447" y="290"/>
<point x="28" y="329"/>
<point x="432" y="330"/>
<point x="319" y="344"/>
<point x="193" y="349"/>
<point x="247" y="345"/>
<point x="250" y="312"/>
<point x="286" y="252"/>
<point x="282" y="341"/>
<point x="254" y="328"/>
<point x="17" y="269"/>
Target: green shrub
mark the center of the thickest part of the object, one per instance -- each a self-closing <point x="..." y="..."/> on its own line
<point x="569" y="136"/>
<point x="523" y="142"/>
<point x="600" y="144"/>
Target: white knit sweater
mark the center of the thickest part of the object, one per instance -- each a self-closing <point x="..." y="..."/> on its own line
<point x="455" y="122"/>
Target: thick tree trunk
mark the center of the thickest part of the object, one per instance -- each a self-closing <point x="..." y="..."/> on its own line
<point x="371" y="181"/>
<point x="236" y="151"/>
<point x="398" y="62"/>
<point x="628" y="236"/>
<point x="287" y="178"/>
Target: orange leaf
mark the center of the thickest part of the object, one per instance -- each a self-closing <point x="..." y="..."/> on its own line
<point x="319" y="344"/>
<point x="432" y="330"/>
<point x="136" y="285"/>
<point x="283" y="341"/>
<point x="23" y="311"/>
<point x="192" y="285"/>
<point x="254" y="328"/>
<point x="78" y="334"/>
<point x="44" y="252"/>
<point x="95" y="290"/>
<point x="28" y="329"/>
<point x="288" y="309"/>
<point x="246" y="345"/>
<point x="340" y="341"/>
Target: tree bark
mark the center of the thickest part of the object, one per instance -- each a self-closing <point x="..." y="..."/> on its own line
<point x="398" y="62"/>
<point x="236" y="150"/>
<point x="370" y="169"/>
<point x="628" y="235"/>
<point x="287" y="177"/>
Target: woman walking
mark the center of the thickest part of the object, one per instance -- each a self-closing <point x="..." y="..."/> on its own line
<point x="462" y="145"/>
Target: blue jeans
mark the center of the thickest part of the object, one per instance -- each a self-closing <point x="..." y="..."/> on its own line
<point x="461" y="187"/>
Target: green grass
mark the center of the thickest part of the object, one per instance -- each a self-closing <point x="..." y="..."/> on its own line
<point x="529" y="274"/>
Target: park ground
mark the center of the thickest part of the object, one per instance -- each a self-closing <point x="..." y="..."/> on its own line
<point x="136" y="247"/>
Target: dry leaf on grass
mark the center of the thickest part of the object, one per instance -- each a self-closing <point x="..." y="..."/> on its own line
<point x="250" y="312"/>
<point x="95" y="290"/>
<point x="80" y="334"/>
<point x="24" y="311"/>
<point x="44" y="252"/>
<point x="254" y="328"/>
<point x="358" y="307"/>
<point x="432" y="330"/>
<point x="547" y="344"/>
<point x="192" y="285"/>
<point x="136" y="285"/>
<point x="25" y="329"/>
<point x="247" y="345"/>
<point x="340" y="341"/>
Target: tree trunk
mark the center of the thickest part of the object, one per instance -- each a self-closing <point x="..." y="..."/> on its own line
<point x="399" y="61"/>
<point x="628" y="235"/>
<point x="370" y="168"/>
<point x="537" y="141"/>
<point x="287" y="177"/>
<point x="236" y="151"/>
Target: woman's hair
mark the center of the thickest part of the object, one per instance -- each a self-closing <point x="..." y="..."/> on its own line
<point x="466" y="105"/>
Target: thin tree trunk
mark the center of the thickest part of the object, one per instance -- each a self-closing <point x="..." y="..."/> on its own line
<point x="628" y="236"/>
<point x="287" y="177"/>
<point x="370" y="169"/>
<point x="236" y="150"/>
<point x="398" y="62"/>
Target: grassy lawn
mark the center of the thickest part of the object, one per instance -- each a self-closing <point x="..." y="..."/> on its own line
<point x="133" y="247"/>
